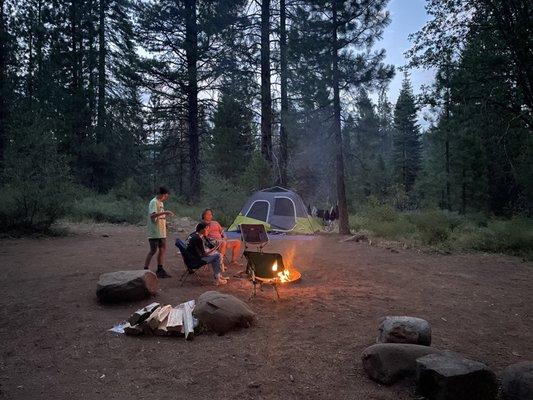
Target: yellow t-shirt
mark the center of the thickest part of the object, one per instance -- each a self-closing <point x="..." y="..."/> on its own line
<point x="157" y="229"/>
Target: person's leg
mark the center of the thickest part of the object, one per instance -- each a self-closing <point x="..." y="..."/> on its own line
<point x="222" y="248"/>
<point x="153" y="249"/>
<point x="161" y="273"/>
<point x="161" y="252"/>
<point x="214" y="260"/>
<point x="235" y="246"/>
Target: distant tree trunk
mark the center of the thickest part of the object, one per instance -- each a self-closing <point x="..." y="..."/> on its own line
<point x="266" y="96"/>
<point x="344" y="228"/>
<point x="101" y="112"/>
<point x="284" y="98"/>
<point x="191" y="54"/>
<point x="3" y="84"/>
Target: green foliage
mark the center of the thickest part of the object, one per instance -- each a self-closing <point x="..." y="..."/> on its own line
<point x="406" y="140"/>
<point x="37" y="188"/>
<point x="441" y="229"/>
<point x="225" y="198"/>
<point x="232" y="137"/>
<point x="108" y="208"/>
<point x="258" y="174"/>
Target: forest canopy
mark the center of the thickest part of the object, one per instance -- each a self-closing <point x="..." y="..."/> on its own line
<point x="108" y="99"/>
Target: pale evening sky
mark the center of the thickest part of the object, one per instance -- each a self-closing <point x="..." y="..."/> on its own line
<point x="407" y="16"/>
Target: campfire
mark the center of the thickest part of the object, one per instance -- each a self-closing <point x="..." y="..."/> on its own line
<point x="269" y="268"/>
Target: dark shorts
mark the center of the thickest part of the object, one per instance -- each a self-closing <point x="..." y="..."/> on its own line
<point x="157" y="243"/>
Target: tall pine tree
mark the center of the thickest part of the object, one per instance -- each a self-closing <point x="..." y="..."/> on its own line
<point x="406" y="142"/>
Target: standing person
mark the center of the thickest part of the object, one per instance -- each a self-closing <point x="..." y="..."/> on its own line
<point x="198" y="255"/>
<point x="157" y="231"/>
<point x="216" y="234"/>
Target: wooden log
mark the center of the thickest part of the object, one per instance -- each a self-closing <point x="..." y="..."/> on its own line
<point x="188" y="324"/>
<point x="175" y="320"/>
<point x="162" y="330"/>
<point x="147" y="323"/>
<point x="134" y="330"/>
<point x="142" y="314"/>
<point x="159" y="317"/>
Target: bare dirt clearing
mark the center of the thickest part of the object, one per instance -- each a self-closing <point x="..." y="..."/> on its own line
<point x="55" y="344"/>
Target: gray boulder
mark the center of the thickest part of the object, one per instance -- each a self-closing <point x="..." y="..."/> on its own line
<point x="404" y="330"/>
<point x="222" y="312"/>
<point x="452" y="377"/>
<point x="517" y="381"/>
<point x="126" y="286"/>
<point x="387" y="363"/>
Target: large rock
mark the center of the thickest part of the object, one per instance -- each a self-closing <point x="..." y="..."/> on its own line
<point x="388" y="362"/>
<point x="452" y="377"/>
<point x="404" y="330"/>
<point x="517" y="381"/>
<point x="126" y="286"/>
<point x="222" y="312"/>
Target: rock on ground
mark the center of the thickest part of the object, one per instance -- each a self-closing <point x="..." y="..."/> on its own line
<point x="452" y="377"/>
<point x="222" y="312"/>
<point x="126" y="286"/>
<point x="517" y="381"/>
<point x="389" y="362"/>
<point x="404" y="330"/>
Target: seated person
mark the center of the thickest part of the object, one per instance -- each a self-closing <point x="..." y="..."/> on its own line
<point x="217" y="238"/>
<point x="198" y="255"/>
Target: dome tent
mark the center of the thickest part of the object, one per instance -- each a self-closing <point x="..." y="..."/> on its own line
<point x="277" y="208"/>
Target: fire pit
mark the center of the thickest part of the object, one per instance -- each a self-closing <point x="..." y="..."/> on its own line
<point x="268" y="268"/>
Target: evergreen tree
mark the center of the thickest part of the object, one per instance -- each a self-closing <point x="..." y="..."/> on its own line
<point x="332" y="34"/>
<point x="232" y="136"/>
<point x="406" y="142"/>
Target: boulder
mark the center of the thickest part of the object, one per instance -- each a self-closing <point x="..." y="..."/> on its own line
<point x="404" y="330"/>
<point x="222" y="312"/>
<point x="387" y="363"/>
<point x="453" y="377"/>
<point x="126" y="286"/>
<point x="517" y="381"/>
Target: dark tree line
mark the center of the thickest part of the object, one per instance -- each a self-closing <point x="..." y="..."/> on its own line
<point x="96" y="92"/>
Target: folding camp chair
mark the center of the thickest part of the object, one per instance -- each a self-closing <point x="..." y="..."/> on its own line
<point x="189" y="270"/>
<point x="263" y="268"/>
<point x="255" y="235"/>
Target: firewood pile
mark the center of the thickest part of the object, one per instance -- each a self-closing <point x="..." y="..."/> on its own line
<point x="166" y="320"/>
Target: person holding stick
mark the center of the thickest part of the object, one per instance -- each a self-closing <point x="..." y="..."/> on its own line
<point x="157" y="231"/>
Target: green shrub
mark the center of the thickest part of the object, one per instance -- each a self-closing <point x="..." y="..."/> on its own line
<point x="107" y="208"/>
<point x="38" y="188"/>
<point x="514" y="236"/>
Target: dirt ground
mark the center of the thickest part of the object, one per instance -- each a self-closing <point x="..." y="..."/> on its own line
<point x="55" y="342"/>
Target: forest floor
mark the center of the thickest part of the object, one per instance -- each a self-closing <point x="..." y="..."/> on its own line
<point x="55" y="342"/>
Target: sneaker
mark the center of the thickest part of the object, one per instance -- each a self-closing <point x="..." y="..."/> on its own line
<point x="161" y="273"/>
<point x="220" y="281"/>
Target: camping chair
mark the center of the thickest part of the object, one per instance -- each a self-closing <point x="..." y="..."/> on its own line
<point x="260" y="269"/>
<point x="255" y="235"/>
<point x="189" y="270"/>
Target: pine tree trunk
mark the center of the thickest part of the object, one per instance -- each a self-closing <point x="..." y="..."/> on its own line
<point x="3" y="84"/>
<point x="344" y="228"/>
<point x="266" y="96"/>
<point x="191" y="54"/>
<point x="101" y="111"/>
<point x="283" y="140"/>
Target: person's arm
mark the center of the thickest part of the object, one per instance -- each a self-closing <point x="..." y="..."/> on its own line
<point x="156" y="215"/>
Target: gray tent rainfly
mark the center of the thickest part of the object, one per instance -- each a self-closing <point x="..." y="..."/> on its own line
<point x="277" y="208"/>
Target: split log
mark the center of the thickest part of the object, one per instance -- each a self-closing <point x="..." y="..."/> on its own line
<point x="148" y="321"/>
<point x="175" y="320"/>
<point x="162" y="330"/>
<point x="134" y="330"/>
<point x="188" y="323"/>
<point x="140" y="315"/>
<point x="159" y="317"/>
